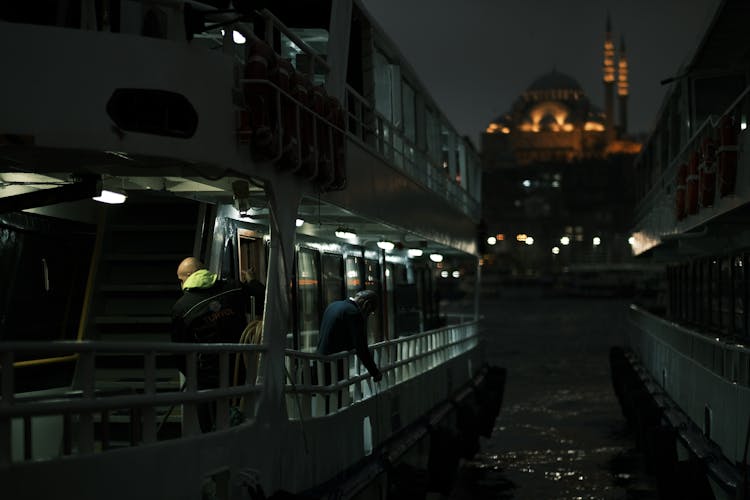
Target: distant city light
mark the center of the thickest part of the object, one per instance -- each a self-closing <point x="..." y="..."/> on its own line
<point x="555" y="184"/>
<point x="631" y="240"/>
<point x="555" y="250"/>
<point x="456" y="274"/>
<point x="521" y="237"/>
<point x="491" y="240"/>
<point x="529" y="240"/>
<point x="500" y="237"/>
<point x="597" y="241"/>
<point x="526" y="183"/>
<point x="565" y="240"/>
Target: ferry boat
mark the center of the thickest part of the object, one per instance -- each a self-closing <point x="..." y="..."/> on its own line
<point x="292" y="140"/>
<point x="683" y="377"/>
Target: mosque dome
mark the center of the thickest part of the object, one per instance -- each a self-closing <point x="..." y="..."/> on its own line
<point x="554" y="80"/>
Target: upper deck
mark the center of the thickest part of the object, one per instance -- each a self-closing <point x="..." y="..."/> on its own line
<point x="694" y="170"/>
<point x="143" y="100"/>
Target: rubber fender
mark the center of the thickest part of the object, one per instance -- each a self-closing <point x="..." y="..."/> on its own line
<point x="467" y="422"/>
<point x="407" y="482"/>
<point x="442" y="462"/>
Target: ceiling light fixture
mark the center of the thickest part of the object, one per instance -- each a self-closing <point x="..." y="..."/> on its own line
<point x="345" y="233"/>
<point x="111" y="197"/>
<point x="414" y="252"/>
<point x="299" y="222"/>
<point x="386" y="245"/>
<point x="436" y="257"/>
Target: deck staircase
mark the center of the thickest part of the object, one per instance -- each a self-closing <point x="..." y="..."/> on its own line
<point x="134" y="290"/>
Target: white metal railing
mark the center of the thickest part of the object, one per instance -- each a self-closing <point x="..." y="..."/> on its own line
<point x="83" y="416"/>
<point x="668" y="176"/>
<point x="320" y="385"/>
<point x="723" y="357"/>
<point x="377" y="133"/>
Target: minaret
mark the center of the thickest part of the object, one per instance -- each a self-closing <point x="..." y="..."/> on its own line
<point x="622" y="88"/>
<point x="609" y="83"/>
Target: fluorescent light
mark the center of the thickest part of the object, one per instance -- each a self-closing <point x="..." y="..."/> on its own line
<point x="111" y="197"/>
<point x="436" y="257"/>
<point x="345" y="233"/>
<point x="299" y="222"/>
<point x="414" y="252"/>
<point x="386" y="245"/>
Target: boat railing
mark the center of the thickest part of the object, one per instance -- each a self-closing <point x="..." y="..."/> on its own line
<point x="86" y="417"/>
<point x="320" y="385"/>
<point x="376" y="132"/>
<point x="666" y="180"/>
<point x="722" y="356"/>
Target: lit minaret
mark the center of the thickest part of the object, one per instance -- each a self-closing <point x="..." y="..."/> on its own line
<point x="609" y="82"/>
<point x="622" y="88"/>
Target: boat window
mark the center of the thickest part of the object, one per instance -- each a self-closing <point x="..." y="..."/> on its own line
<point x="725" y="298"/>
<point x="739" y="283"/>
<point x="317" y="39"/>
<point x="333" y="278"/>
<point x="714" y="95"/>
<point x="353" y="275"/>
<point x="433" y="135"/>
<point x="372" y="282"/>
<point x="387" y="78"/>
<point x="410" y="112"/>
<point x="308" y="299"/>
<point x="714" y="291"/>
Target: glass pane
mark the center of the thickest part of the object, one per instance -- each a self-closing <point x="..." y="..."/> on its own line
<point x="309" y="306"/>
<point x="353" y="278"/>
<point x="372" y="282"/>
<point x="333" y="279"/>
<point x="740" y="285"/>
<point x="410" y="113"/>
<point x="726" y="305"/>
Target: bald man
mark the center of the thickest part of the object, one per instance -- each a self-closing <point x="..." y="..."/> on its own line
<point x="210" y="310"/>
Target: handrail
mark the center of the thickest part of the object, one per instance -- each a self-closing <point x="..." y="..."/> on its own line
<point x="670" y="172"/>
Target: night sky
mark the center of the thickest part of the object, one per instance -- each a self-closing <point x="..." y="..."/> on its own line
<point x="476" y="56"/>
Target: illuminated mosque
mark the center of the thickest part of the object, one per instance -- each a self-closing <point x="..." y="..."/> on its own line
<point x="553" y="120"/>
<point x="557" y="174"/>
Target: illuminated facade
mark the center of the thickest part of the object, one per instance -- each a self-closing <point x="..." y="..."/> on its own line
<point x="557" y="174"/>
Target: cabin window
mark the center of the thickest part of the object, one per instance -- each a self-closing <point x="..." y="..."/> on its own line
<point x="739" y="296"/>
<point x="372" y="282"/>
<point x="333" y="278"/>
<point x="353" y="275"/>
<point x="714" y="291"/>
<point x="308" y="299"/>
<point x="317" y="39"/>
<point x="726" y="304"/>
<point x="387" y="88"/>
<point x="410" y="112"/>
<point x="433" y="135"/>
<point x="714" y="95"/>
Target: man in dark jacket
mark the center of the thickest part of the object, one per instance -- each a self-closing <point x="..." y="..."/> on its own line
<point x="211" y="310"/>
<point x="344" y="327"/>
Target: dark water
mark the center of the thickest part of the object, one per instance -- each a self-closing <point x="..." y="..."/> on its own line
<point x="560" y="433"/>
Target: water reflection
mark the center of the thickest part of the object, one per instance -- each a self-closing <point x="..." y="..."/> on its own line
<point x="560" y="434"/>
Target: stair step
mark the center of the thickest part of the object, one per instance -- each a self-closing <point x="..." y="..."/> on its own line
<point x="171" y="288"/>
<point x="133" y="320"/>
<point x="152" y="228"/>
<point x="142" y="257"/>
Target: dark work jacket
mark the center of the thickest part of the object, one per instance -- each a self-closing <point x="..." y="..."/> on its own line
<point x="215" y="314"/>
<point x="344" y="328"/>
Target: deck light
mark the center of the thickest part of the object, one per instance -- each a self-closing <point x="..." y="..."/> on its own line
<point x="597" y="241"/>
<point x="414" y="252"/>
<point x="555" y="250"/>
<point x="443" y="274"/>
<point x="491" y="240"/>
<point x="456" y="274"/>
<point x="299" y="222"/>
<point x="345" y="233"/>
<point x="529" y="240"/>
<point x="565" y="240"/>
<point x="436" y="257"/>
<point x="238" y="38"/>
<point x="631" y="240"/>
<point x="385" y="245"/>
<point x="111" y="197"/>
